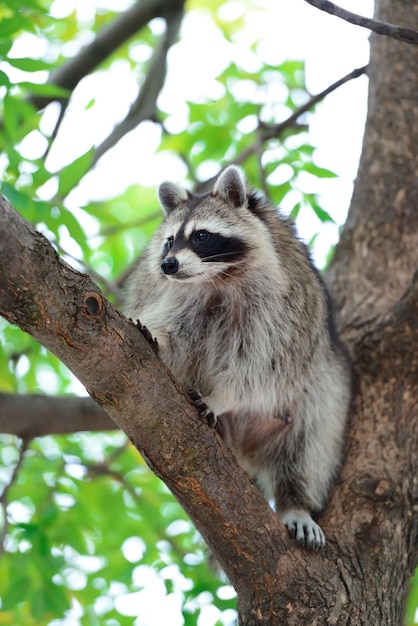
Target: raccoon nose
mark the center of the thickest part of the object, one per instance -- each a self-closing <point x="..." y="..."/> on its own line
<point x="170" y="265"/>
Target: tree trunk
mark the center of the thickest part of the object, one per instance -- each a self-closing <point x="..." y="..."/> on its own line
<point x="378" y="252"/>
<point x="371" y="520"/>
<point x="375" y="287"/>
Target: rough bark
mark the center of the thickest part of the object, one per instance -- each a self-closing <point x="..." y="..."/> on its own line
<point x="378" y="252"/>
<point x="374" y="281"/>
<point x="371" y="520"/>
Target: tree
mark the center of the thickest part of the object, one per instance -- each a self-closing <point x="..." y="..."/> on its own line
<point x="361" y="576"/>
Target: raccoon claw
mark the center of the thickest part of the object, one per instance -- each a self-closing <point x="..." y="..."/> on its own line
<point x="303" y="529"/>
<point x="146" y="333"/>
<point x="204" y="412"/>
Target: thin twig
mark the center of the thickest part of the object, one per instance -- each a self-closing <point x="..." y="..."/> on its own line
<point x="261" y="168"/>
<point x="407" y="35"/>
<point x="23" y="448"/>
<point x="275" y="130"/>
<point x="271" y="132"/>
<point x="116" y="230"/>
<point x="3" y="497"/>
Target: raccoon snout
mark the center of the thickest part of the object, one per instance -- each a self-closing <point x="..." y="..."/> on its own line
<point x="170" y="265"/>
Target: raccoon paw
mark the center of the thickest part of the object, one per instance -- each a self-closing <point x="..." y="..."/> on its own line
<point x="204" y="411"/>
<point x="146" y="333"/>
<point x="302" y="527"/>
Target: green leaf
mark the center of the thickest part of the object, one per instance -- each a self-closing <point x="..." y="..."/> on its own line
<point x="21" y="201"/>
<point x="5" y="46"/>
<point x="19" y="117"/>
<point x="19" y="583"/>
<point x="45" y="89"/>
<point x="328" y="258"/>
<point x="412" y="601"/>
<point x="90" y="104"/>
<point x="70" y="175"/>
<point x="322" y="214"/>
<point x="29" y="65"/>
<point x="295" y="211"/>
<point x="4" y="79"/>
<point x="279" y="192"/>
<point x="10" y="26"/>
<point x="54" y="601"/>
<point x="320" y="172"/>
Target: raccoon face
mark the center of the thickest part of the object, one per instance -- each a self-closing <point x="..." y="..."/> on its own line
<point x="196" y="254"/>
<point x="202" y="235"/>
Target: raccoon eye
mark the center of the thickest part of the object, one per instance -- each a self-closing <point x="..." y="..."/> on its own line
<point x="170" y="242"/>
<point x="202" y="235"/>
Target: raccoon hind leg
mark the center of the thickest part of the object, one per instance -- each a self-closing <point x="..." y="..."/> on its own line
<point x="303" y="528"/>
<point x="265" y="446"/>
<point x="294" y="505"/>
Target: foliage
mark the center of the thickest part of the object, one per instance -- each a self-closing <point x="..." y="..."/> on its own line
<point x="86" y="526"/>
<point x="94" y="530"/>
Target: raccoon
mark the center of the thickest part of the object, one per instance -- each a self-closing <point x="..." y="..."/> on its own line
<point x="243" y="320"/>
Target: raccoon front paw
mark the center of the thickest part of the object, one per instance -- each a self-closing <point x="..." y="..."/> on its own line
<point x="302" y="527"/>
<point x="204" y="411"/>
<point x="146" y="333"/>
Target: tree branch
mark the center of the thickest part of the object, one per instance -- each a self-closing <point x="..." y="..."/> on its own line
<point x="29" y="416"/>
<point x="144" y="107"/>
<point x="107" y="40"/>
<point x="3" y="498"/>
<point x="406" y="35"/>
<point x="271" y="132"/>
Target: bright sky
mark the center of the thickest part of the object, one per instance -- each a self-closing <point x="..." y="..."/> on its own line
<point x="289" y="29"/>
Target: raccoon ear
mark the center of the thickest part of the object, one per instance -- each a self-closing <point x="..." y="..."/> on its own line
<point x="171" y="195"/>
<point x="230" y="186"/>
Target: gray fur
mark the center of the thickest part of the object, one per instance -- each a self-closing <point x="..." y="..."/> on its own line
<point x="255" y="337"/>
<point x="230" y="187"/>
<point x="171" y="196"/>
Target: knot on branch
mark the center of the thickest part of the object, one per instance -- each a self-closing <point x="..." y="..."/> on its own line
<point x="94" y="303"/>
